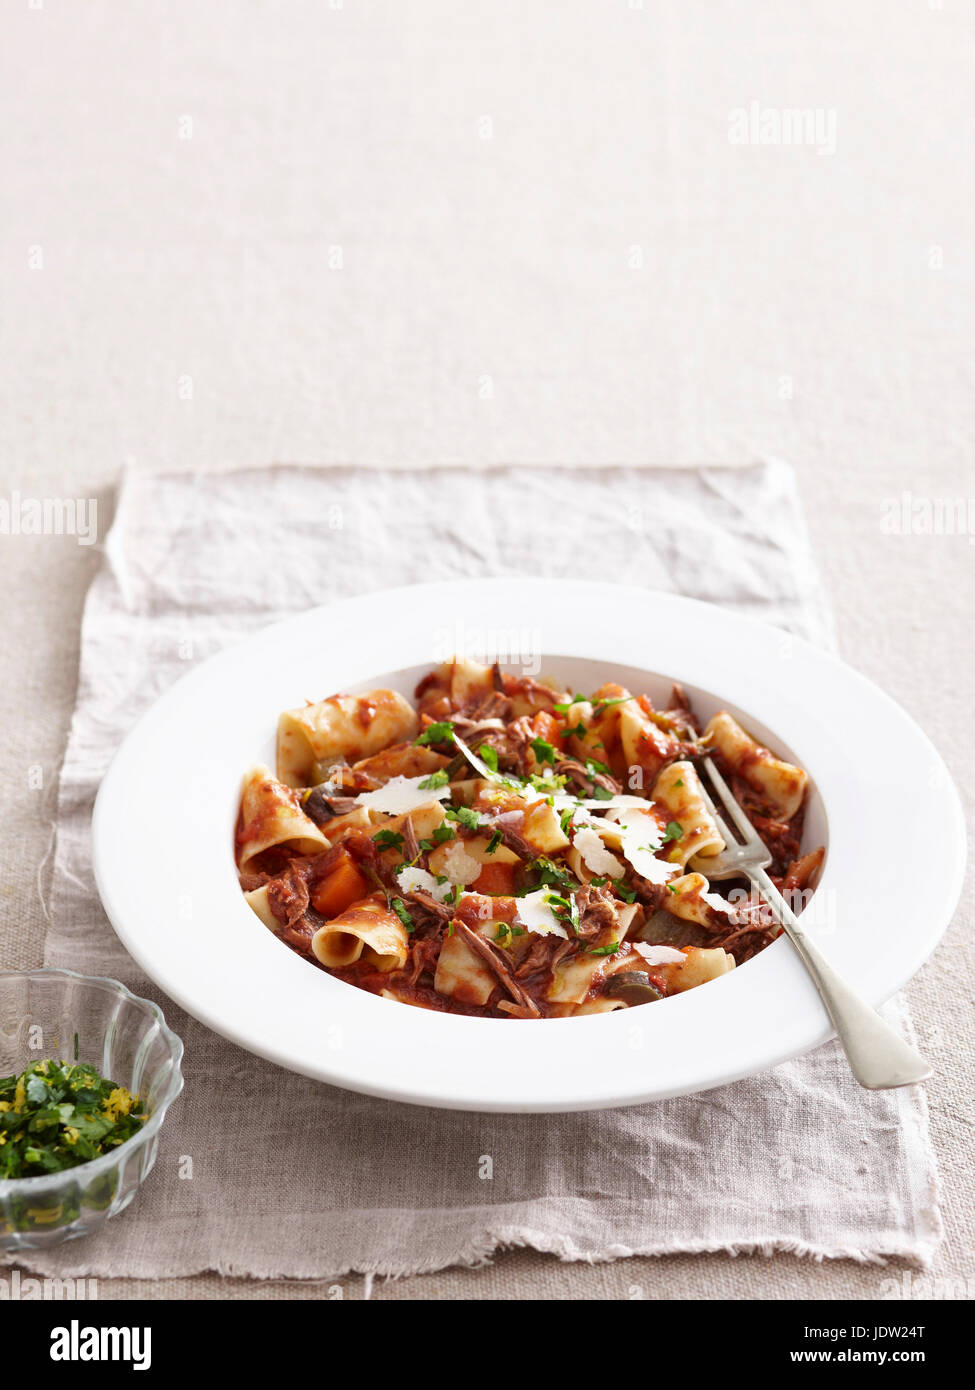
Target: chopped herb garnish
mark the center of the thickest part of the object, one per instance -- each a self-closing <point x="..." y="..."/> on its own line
<point x="55" y="1115"/>
<point x="609" y="950"/>
<point x="441" y="732"/>
<point x="593" y="765"/>
<point x="579" y="730"/>
<point x="627" y="894"/>
<point x="566" y="705"/>
<point x="552" y="873"/>
<point x="464" y="815"/>
<point x="494" y="841"/>
<point x="672" y="889"/>
<point x="435" y="780"/>
<point x="679" y="782"/>
<point x="674" y="831"/>
<point x="488" y="756"/>
<point x="543" y="750"/>
<point x="601" y="794"/>
<point x="399" y="907"/>
<point x="388" y="839"/>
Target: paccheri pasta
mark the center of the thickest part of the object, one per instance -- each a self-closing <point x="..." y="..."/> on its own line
<point x="511" y="850"/>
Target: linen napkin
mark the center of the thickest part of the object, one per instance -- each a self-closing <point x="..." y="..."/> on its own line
<point x="288" y="1177"/>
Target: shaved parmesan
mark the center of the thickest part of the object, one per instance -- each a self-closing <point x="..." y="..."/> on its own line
<point x="536" y="915"/>
<point x="402" y="794"/>
<point x="639" y="836"/>
<point x="459" y="866"/>
<point x="596" y="857"/>
<point x="659" y="955"/>
<point x="719" y="903"/>
<point x="411" y="879"/>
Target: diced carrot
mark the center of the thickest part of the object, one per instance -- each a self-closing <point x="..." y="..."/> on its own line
<point x="496" y="879"/>
<point x="548" y="727"/>
<point x="343" y="885"/>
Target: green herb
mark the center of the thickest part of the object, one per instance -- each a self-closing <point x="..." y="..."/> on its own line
<point x="679" y="782"/>
<point x="579" y="730"/>
<point x="605" y="950"/>
<point x="442" y="732"/>
<point x="55" y="1115"/>
<point x="464" y="815"/>
<point x="601" y="794"/>
<point x="672" y="889"/>
<point x="388" y="839"/>
<point x="551" y="874"/>
<point x="399" y="907"/>
<point x="494" y="841"/>
<point x="488" y="756"/>
<point x="435" y="780"/>
<point x="674" y="831"/>
<point x="543" y="750"/>
<point x="566" y="705"/>
<point x="546" y="784"/>
<point x="593" y="765"/>
<point x="599" y="705"/>
<point x="627" y="894"/>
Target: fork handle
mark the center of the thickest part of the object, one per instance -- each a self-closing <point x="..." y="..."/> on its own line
<point x="879" y="1057"/>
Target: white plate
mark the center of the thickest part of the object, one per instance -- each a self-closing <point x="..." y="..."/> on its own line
<point x="882" y="801"/>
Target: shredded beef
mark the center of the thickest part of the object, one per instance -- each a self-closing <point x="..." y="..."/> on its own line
<point x="597" y="910"/>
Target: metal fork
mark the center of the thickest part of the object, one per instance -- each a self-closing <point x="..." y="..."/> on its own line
<point x="879" y="1057"/>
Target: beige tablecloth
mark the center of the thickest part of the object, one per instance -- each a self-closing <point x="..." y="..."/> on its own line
<point x="299" y="1180"/>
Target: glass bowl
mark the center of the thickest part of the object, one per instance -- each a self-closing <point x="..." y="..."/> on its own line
<point x="82" y="1018"/>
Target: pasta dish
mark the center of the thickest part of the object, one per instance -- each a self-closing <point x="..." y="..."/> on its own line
<point x="506" y="849"/>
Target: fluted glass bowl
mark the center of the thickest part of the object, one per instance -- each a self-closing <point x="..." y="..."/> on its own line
<point x="80" y="1018"/>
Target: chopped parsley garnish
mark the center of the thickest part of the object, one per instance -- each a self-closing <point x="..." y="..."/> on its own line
<point x="488" y="756"/>
<point x="593" y="765"/>
<point x="679" y="782"/>
<point x="599" y="705"/>
<point x="609" y="950"/>
<point x="435" y="780"/>
<point x="628" y="895"/>
<point x="399" y="907"/>
<point x="543" y="750"/>
<point x="494" y="841"/>
<point x="464" y="815"/>
<point x="566" y="705"/>
<point x="440" y="836"/>
<point x="388" y="839"/>
<point x="554" y="874"/>
<point x="601" y="794"/>
<point x="546" y="784"/>
<point x="674" y="831"/>
<point x="672" y="889"/>
<point x="55" y="1115"/>
<point x="442" y="732"/>
<point x="579" y="730"/>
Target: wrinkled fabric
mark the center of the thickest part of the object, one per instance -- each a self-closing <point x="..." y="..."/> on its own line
<point x="292" y="1178"/>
